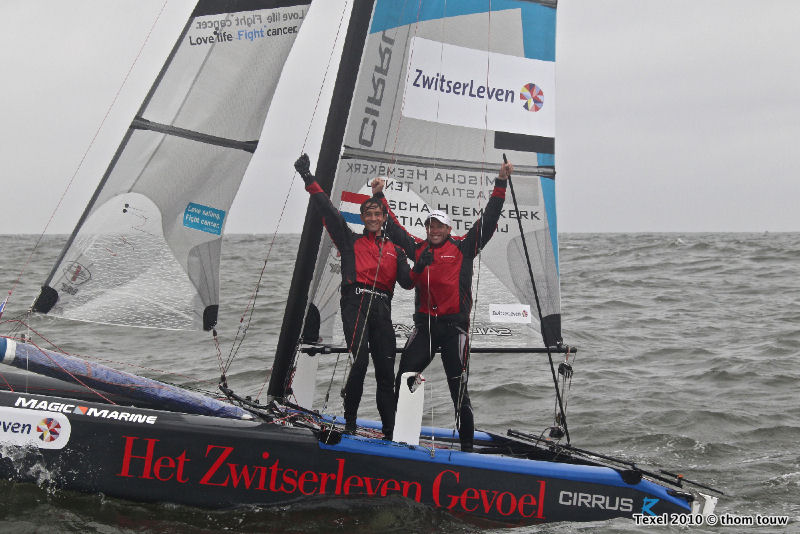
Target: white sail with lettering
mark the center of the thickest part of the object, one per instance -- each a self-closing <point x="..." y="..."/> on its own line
<point x="146" y="251"/>
<point x="445" y="89"/>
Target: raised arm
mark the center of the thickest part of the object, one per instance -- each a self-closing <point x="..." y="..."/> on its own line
<point x="484" y="228"/>
<point x="403" y="270"/>
<point x="396" y="231"/>
<point x="337" y="227"/>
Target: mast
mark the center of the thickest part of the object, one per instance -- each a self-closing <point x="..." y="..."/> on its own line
<point x="326" y="170"/>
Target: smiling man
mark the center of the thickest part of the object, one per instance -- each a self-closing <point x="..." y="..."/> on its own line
<point x="442" y="277"/>
<point x="371" y="264"/>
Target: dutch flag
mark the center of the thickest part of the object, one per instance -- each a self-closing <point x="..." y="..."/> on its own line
<point x="350" y="208"/>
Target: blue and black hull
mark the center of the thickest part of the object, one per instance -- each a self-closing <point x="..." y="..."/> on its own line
<point x="126" y="449"/>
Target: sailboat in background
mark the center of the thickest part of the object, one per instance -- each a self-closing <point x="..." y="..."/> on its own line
<point x="428" y="94"/>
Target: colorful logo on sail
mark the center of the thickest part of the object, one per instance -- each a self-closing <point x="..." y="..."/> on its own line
<point x="473" y="88"/>
<point x="49" y="429"/>
<point x="532" y="97"/>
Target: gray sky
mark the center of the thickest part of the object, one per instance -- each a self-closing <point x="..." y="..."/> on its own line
<point x="677" y="115"/>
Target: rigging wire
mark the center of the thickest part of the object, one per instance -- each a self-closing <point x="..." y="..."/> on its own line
<point x="563" y="420"/>
<point x="250" y="307"/>
<point x="291" y="185"/>
<point x="86" y="152"/>
<point x="17" y="321"/>
<point x="330" y="383"/>
<point x="435" y="166"/>
<point x="473" y="305"/>
<point x="435" y="160"/>
<point x="350" y="361"/>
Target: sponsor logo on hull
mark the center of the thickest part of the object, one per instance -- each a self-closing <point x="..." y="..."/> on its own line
<point x="45" y="430"/>
<point x="76" y="409"/>
<point x="647" y="505"/>
<point x="221" y="466"/>
<point x="594" y="500"/>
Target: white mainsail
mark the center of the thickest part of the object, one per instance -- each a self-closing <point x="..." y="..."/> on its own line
<point x="146" y="251"/>
<point x="444" y="90"/>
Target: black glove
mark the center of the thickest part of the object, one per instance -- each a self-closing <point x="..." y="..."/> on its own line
<point x="425" y="259"/>
<point x="303" y="166"/>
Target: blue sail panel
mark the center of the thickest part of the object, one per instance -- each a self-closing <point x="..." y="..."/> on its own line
<point x="538" y="21"/>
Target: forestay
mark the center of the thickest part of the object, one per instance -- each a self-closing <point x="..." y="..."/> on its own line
<point x="146" y="250"/>
<point x="444" y="90"/>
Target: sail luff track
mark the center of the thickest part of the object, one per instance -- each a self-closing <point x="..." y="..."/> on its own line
<point x="326" y="169"/>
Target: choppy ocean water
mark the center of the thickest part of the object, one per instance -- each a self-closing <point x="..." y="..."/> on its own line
<point x="688" y="359"/>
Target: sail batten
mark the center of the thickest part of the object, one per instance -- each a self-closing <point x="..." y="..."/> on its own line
<point x="332" y="139"/>
<point x="144" y="124"/>
<point x="461" y="165"/>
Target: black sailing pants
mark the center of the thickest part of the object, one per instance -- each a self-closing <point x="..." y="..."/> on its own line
<point x="368" y="329"/>
<point x="453" y="342"/>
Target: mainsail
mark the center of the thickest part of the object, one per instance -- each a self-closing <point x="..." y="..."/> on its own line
<point x="146" y="250"/>
<point x="444" y="90"/>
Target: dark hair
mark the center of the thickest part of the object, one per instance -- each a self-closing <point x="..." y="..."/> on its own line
<point x="373" y="201"/>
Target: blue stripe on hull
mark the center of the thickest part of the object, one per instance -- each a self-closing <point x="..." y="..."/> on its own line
<point x="536" y="468"/>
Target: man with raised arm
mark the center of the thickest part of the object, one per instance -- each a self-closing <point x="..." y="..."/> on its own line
<point x="442" y="276"/>
<point x="371" y="264"/>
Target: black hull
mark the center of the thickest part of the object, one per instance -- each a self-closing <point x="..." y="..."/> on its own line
<point x="204" y="461"/>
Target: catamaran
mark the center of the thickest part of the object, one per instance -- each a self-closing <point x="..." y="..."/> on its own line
<point x="432" y="95"/>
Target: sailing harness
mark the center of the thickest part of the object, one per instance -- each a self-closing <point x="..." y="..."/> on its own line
<point x="359" y="289"/>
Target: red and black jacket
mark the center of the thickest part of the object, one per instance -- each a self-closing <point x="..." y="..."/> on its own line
<point x="368" y="259"/>
<point x="444" y="288"/>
